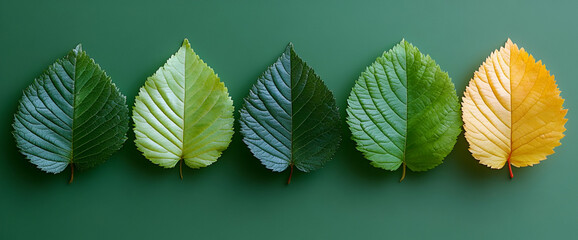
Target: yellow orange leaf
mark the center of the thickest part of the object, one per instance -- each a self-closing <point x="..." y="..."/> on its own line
<point x="512" y="110"/>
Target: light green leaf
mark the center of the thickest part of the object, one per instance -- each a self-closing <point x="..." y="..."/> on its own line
<point x="183" y="113"/>
<point x="290" y="117"/>
<point x="404" y="109"/>
<point x="71" y="115"/>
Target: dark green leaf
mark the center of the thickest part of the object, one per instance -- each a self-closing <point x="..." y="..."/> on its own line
<point x="71" y="114"/>
<point x="290" y="117"/>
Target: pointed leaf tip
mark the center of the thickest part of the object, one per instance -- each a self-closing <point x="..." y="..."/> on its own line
<point x="289" y="48"/>
<point x="186" y="43"/>
<point x="78" y="48"/>
<point x="406" y="44"/>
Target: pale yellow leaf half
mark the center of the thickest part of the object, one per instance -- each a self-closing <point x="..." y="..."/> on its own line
<point x="183" y="113"/>
<point x="512" y="110"/>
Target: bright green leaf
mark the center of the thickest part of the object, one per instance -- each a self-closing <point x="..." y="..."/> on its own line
<point x="290" y="117"/>
<point x="404" y="109"/>
<point x="183" y="113"/>
<point x="71" y="115"/>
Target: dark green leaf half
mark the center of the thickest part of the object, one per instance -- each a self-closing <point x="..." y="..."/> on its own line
<point x="71" y="114"/>
<point x="404" y="109"/>
<point x="290" y="117"/>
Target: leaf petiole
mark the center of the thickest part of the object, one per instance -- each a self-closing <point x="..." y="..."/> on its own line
<point x="510" y="168"/>
<point x="181" y="168"/>
<point x="290" y="174"/>
<point x="403" y="173"/>
<point x="71" y="173"/>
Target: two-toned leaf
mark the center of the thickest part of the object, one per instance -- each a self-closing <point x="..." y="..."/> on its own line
<point x="403" y="110"/>
<point x="290" y="117"/>
<point x="183" y="113"/>
<point x="72" y="115"/>
<point x="512" y="110"/>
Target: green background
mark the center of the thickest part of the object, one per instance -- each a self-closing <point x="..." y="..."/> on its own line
<point x="236" y="198"/>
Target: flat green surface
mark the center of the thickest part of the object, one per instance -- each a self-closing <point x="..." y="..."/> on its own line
<point x="237" y="198"/>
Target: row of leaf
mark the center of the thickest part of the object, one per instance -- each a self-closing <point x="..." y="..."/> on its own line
<point x="403" y="111"/>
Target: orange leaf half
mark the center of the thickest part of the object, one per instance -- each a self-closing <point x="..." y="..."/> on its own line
<point x="512" y="110"/>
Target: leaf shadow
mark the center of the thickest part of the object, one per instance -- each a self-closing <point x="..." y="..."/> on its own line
<point x="355" y="162"/>
<point x="469" y="167"/>
<point x="137" y="161"/>
<point x="144" y="169"/>
<point x="472" y="169"/>
<point x="243" y="165"/>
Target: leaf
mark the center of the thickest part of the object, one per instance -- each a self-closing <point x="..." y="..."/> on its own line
<point x="290" y="117"/>
<point x="183" y="113"/>
<point x="512" y="110"/>
<point x="71" y="115"/>
<point x="403" y="110"/>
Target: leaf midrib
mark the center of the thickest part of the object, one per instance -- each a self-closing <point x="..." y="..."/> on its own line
<point x="291" y="160"/>
<point x="406" y="108"/>
<point x="74" y="94"/>
<point x="184" y="105"/>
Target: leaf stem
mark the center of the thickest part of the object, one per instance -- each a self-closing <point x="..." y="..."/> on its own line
<point x="290" y="174"/>
<point x="403" y="173"/>
<point x="510" y="168"/>
<point x="181" y="168"/>
<point x="71" y="173"/>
